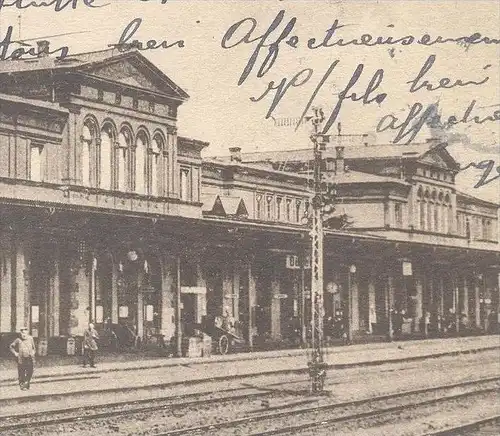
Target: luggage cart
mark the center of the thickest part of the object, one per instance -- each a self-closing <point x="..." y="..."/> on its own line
<point x="223" y="336"/>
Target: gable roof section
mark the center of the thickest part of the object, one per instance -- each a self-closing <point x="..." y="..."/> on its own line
<point x="351" y="152"/>
<point x="223" y="205"/>
<point x="434" y="155"/>
<point x="130" y="68"/>
<point x="439" y="156"/>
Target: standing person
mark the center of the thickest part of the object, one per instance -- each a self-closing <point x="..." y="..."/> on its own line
<point x="90" y="338"/>
<point x="24" y="349"/>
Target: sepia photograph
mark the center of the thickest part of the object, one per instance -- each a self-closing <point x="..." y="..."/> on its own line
<point x="249" y="217"/>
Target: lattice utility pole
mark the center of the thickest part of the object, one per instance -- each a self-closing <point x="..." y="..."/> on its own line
<point x="317" y="365"/>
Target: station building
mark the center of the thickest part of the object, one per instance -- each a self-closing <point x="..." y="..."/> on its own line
<point x="107" y="214"/>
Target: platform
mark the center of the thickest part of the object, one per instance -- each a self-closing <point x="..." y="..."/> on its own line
<point x="118" y="376"/>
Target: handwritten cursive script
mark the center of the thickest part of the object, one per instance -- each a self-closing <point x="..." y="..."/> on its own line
<point x="487" y="165"/>
<point x="444" y="83"/>
<point x="126" y="43"/>
<point x="58" y="5"/>
<point x="418" y="117"/>
<point x="27" y="51"/>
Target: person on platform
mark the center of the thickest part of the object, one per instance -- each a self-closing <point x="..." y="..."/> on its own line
<point x="398" y="319"/>
<point x="24" y="350"/>
<point x="228" y="321"/>
<point x="90" y="338"/>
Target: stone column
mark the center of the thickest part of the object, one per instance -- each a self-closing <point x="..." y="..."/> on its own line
<point x="275" y="306"/>
<point x="167" y="297"/>
<point x="465" y="305"/>
<point x="441" y="302"/>
<point x="477" y="304"/>
<point x="140" y="304"/>
<point x="114" y="290"/>
<point x="236" y="294"/>
<point x="389" y="296"/>
<point x="419" y="307"/>
<point x="252" y="303"/>
<point x="80" y="301"/>
<point x="178" y="302"/>
<point x="227" y="289"/>
<point x="201" y="299"/>
<point x="54" y="294"/>
<point x="5" y="284"/>
<point x="372" y="312"/>
<point x="19" y="285"/>
<point x="354" y="302"/>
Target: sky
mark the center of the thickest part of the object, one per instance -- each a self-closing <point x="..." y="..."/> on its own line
<point x="220" y="111"/>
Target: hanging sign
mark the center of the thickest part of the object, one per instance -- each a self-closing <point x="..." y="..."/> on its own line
<point x="35" y="314"/>
<point x="281" y="296"/>
<point x="99" y="314"/>
<point x="292" y="261"/>
<point x="149" y="312"/>
<point x="407" y="269"/>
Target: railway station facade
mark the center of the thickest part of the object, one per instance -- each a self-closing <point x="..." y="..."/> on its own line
<point x="109" y="215"/>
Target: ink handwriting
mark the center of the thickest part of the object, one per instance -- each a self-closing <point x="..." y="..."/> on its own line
<point x="31" y="52"/>
<point x="444" y="83"/>
<point x="125" y="43"/>
<point x="58" y="5"/>
<point x="232" y="38"/>
<point x="273" y="47"/>
<point x="303" y="76"/>
<point x="416" y="119"/>
<point x="487" y="165"/>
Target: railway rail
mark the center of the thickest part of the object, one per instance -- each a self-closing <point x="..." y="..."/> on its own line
<point x="481" y="427"/>
<point x="129" y="408"/>
<point x="239" y="426"/>
<point x="125" y="408"/>
<point x="148" y="406"/>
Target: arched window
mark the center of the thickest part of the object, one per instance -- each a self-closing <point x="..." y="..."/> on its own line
<point x="428" y="211"/>
<point x="154" y="165"/>
<point x="185" y="187"/>
<point x="258" y="206"/>
<point x="422" y="214"/>
<point x="289" y="209"/>
<point x="122" y="159"/>
<point x="88" y="153"/>
<point x="269" y="207"/>
<point x="105" y="157"/>
<point x="36" y="162"/>
<point x="298" y="208"/>
<point x="488" y="230"/>
<point x="140" y="163"/>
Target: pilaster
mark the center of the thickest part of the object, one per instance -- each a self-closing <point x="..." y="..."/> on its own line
<point x="5" y="283"/>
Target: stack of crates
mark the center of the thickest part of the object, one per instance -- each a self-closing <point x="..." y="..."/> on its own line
<point x="191" y="347"/>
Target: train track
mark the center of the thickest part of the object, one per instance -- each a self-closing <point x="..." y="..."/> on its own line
<point x="124" y="408"/>
<point x="483" y="426"/>
<point x="239" y="426"/>
<point x="193" y="400"/>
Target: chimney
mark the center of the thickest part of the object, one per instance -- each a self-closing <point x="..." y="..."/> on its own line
<point x="43" y="48"/>
<point x="339" y="159"/>
<point x="235" y="153"/>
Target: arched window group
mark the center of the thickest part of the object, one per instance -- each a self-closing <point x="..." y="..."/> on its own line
<point x="118" y="159"/>
<point x="434" y="211"/>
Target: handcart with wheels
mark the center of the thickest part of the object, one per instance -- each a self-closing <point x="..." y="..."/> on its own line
<point x="223" y="333"/>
